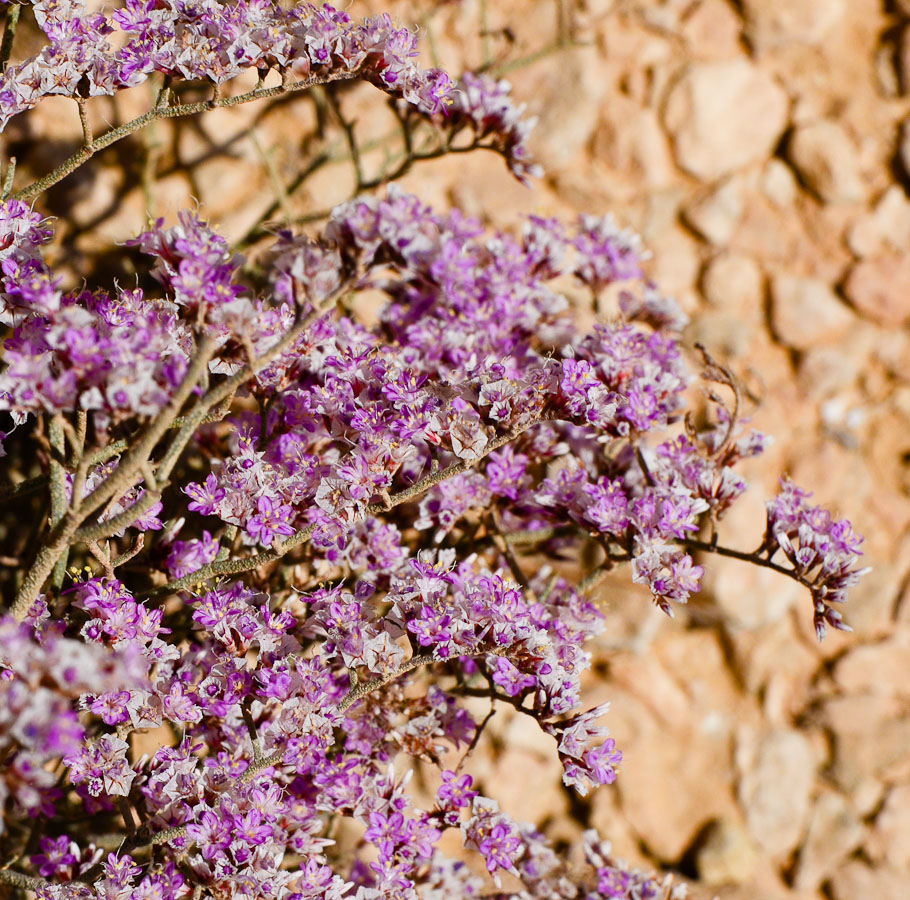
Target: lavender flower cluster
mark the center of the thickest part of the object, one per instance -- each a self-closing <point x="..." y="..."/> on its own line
<point x="213" y="41"/>
<point x="307" y="545"/>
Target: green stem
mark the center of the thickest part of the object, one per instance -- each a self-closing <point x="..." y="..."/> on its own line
<point x="88" y="150"/>
<point x="9" y="32"/>
<point x="247" y="563"/>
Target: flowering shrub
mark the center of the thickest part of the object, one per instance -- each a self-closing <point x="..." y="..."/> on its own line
<point x="298" y="543"/>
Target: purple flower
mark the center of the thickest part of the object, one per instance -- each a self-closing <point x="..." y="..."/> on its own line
<point x="112" y="707"/>
<point x="57" y="857"/>
<point x="508" y="677"/>
<point x="273" y="519"/>
<point x="493" y="835"/>
<point x="212" y="833"/>
<point x="205" y="498"/>
<point x="455" y="792"/>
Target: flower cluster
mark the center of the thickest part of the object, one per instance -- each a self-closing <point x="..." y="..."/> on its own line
<point x="823" y="551"/>
<point x="42" y="676"/>
<point x="321" y="535"/>
<point x="216" y="42"/>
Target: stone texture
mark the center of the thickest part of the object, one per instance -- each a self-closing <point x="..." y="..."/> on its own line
<point x="857" y="880"/>
<point x="892" y="827"/>
<point x="881" y="668"/>
<point x="723" y="116"/>
<point x="871" y="738"/>
<point x="886" y="227"/>
<point x="827" y="161"/>
<point x="732" y="280"/>
<point x="879" y="289"/>
<point x="805" y="312"/>
<point x="629" y="140"/>
<point x="777" y="771"/>
<point x="726" y="854"/>
<point x="716" y="215"/>
<point x="771" y="24"/>
<point x="835" y="831"/>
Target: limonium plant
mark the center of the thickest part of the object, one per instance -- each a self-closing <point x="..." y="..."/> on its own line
<point x="302" y="548"/>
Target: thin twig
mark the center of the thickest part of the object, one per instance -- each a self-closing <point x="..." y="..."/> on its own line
<point x="163" y="111"/>
<point x="478" y="731"/>
<point x="247" y="563"/>
<point x="120" y="481"/>
<point x="87" y="134"/>
<point x="9" y="32"/>
<point x="8" y="178"/>
<point x="351" y="138"/>
<point x="754" y="558"/>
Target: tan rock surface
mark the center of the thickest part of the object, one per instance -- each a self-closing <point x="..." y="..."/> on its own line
<point x="805" y="312"/>
<point x="774" y="23"/>
<point x="777" y="773"/>
<point x="723" y="116"/>
<point x="879" y="288"/>
<point x="827" y="161"/>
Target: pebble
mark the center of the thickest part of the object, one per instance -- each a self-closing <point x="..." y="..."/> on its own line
<point x="879" y="288"/>
<point x="716" y="215"/>
<point x="805" y="312"/>
<point x="857" y="881"/>
<point x="777" y="774"/>
<point x="726" y="854"/>
<point x="778" y="183"/>
<point x="835" y="831"/>
<point x="886" y="227"/>
<point x="630" y="140"/>
<point x="712" y="30"/>
<point x="880" y="668"/>
<point x="771" y="24"/>
<point x="871" y="738"/>
<point x="892" y="826"/>
<point x="732" y="280"/>
<point x="827" y="161"/>
<point x="723" y="116"/>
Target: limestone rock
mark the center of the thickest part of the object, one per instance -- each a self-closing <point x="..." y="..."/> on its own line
<point x="834" y="832"/>
<point x="722" y="116"/>
<point x="778" y="770"/>
<point x="630" y="140"/>
<point x="828" y="162"/>
<point x="892" y="826"/>
<point x="778" y="184"/>
<point x="806" y="312"/>
<point x="733" y="281"/>
<point x="857" y="880"/>
<point x="726" y="854"/>
<point x="887" y="227"/>
<point x="880" y="668"/>
<point x="667" y="790"/>
<point x="712" y="29"/>
<point x="871" y="738"/>
<point x="879" y="289"/>
<point x="774" y="23"/>
<point x="716" y="216"/>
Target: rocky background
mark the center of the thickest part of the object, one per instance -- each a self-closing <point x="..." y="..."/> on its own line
<point x="762" y="149"/>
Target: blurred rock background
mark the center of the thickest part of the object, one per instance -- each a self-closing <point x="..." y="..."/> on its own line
<point x="762" y="149"/>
